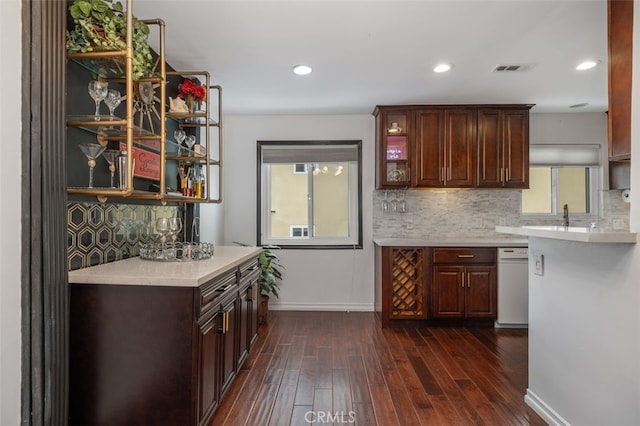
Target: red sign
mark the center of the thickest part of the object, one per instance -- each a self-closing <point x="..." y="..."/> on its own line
<point x="147" y="163"/>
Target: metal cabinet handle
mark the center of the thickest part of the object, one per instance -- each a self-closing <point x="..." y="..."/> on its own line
<point x="442" y="174"/>
<point x="501" y="174"/>
<point x="465" y="256"/>
<point x="463" y="280"/>
<point x="468" y="279"/>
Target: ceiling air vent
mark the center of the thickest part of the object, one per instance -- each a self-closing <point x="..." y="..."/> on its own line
<point x="512" y="68"/>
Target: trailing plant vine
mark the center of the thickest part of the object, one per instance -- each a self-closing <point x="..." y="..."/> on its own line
<point x="102" y="25"/>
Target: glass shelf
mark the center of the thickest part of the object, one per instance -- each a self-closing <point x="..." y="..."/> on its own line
<point x="103" y="63"/>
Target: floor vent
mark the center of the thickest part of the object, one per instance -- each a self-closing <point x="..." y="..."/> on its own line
<point x="512" y="68"/>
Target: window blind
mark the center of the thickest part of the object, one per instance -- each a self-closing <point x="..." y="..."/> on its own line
<point x="303" y="153"/>
<point x="564" y="155"/>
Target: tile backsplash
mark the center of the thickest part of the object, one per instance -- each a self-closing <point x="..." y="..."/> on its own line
<point x="476" y="213"/>
<point x="100" y="233"/>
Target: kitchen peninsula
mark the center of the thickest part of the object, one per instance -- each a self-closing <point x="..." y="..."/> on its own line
<point x="581" y="324"/>
<point x="160" y="342"/>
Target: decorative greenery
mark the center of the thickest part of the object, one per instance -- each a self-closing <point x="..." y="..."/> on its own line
<point x="271" y="273"/>
<point x="102" y="25"/>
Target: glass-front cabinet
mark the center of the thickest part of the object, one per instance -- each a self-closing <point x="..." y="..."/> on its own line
<point x="393" y="127"/>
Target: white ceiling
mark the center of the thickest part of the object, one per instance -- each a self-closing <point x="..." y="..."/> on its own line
<point x="367" y="53"/>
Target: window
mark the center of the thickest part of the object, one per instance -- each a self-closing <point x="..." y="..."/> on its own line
<point x="562" y="175"/>
<point x="316" y="205"/>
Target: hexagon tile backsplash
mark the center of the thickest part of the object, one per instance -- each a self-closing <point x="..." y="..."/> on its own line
<point x="100" y="233"/>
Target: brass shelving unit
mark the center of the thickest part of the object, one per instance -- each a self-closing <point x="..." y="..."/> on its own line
<point x="204" y="121"/>
<point x="123" y="129"/>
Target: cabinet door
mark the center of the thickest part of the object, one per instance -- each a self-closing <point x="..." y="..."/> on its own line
<point x="429" y="149"/>
<point x="393" y="149"/>
<point x="229" y="334"/>
<point x="448" y="291"/>
<point x="490" y="164"/>
<point x="516" y="149"/>
<point x="481" y="286"/>
<point x="208" y="356"/>
<point x="243" y="324"/>
<point x="459" y="153"/>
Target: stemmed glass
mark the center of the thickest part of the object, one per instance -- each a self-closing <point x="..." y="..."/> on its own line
<point x="190" y="141"/>
<point x="180" y="135"/>
<point x="175" y="226"/>
<point x="402" y="204"/>
<point x="163" y="228"/>
<point x="112" y="100"/>
<point x="385" y="204"/>
<point x="393" y="204"/>
<point x="91" y="151"/>
<point x="110" y="156"/>
<point x="98" y="92"/>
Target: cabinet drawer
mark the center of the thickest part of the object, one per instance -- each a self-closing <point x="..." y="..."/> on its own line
<point x="464" y="255"/>
<point x="210" y="292"/>
<point x="248" y="267"/>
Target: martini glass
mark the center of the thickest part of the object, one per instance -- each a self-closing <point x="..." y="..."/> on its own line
<point x="112" y="100"/>
<point x="98" y="92"/>
<point x="110" y="156"/>
<point x="180" y="135"/>
<point x="91" y="151"/>
<point x="190" y="141"/>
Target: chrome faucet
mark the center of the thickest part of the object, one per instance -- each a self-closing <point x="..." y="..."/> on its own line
<point x="565" y="216"/>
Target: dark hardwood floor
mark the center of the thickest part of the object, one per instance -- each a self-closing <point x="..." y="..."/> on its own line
<point x="343" y="368"/>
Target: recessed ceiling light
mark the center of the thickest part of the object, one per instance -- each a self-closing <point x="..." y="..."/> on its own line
<point x="442" y="67"/>
<point x="302" y="69"/>
<point x="585" y="65"/>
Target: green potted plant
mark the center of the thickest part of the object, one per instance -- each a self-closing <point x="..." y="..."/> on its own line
<point x="270" y="277"/>
<point x="102" y="25"/>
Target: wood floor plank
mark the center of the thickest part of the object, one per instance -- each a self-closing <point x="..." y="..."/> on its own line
<point x="348" y="367"/>
<point x="283" y="406"/>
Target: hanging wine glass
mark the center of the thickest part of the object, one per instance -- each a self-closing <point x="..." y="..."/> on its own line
<point x="190" y="141"/>
<point x="110" y="156"/>
<point x="393" y="204"/>
<point x="112" y="100"/>
<point x="402" y="204"/>
<point x="98" y="92"/>
<point x="91" y="151"/>
<point x="385" y="204"/>
<point x="179" y="135"/>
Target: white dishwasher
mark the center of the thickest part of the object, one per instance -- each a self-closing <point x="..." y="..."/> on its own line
<point x="513" y="287"/>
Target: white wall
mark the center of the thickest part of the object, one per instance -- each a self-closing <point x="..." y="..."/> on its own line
<point x="584" y="325"/>
<point x="314" y="279"/>
<point x="10" y="216"/>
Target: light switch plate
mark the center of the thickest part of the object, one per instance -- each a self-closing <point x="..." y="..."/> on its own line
<point x="538" y="264"/>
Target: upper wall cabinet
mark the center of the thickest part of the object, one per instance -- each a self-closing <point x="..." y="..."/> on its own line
<point x="456" y="146"/>
<point x="393" y="150"/>
<point x="503" y="148"/>
<point x="620" y="47"/>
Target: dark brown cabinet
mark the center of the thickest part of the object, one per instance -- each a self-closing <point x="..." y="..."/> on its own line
<point x="464" y="283"/>
<point x="406" y="273"/>
<point x="158" y="355"/>
<point x="620" y="49"/>
<point x="444" y="153"/>
<point x="503" y="148"/>
<point x="453" y="146"/>
<point x="393" y="150"/>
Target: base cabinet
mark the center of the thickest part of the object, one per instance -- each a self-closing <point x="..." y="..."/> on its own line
<point x="155" y="355"/>
<point x="430" y="283"/>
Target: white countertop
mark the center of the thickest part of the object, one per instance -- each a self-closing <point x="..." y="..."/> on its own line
<point x="452" y="242"/>
<point x="571" y="233"/>
<point x="135" y="271"/>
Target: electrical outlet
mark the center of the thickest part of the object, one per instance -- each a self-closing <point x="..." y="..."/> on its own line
<point x="409" y="225"/>
<point x="538" y="264"/>
<point x="618" y="224"/>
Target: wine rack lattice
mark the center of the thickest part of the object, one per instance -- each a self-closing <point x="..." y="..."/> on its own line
<point x="407" y="283"/>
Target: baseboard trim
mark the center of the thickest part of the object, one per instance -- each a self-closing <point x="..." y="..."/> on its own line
<point x="544" y="410"/>
<point x="337" y="307"/>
